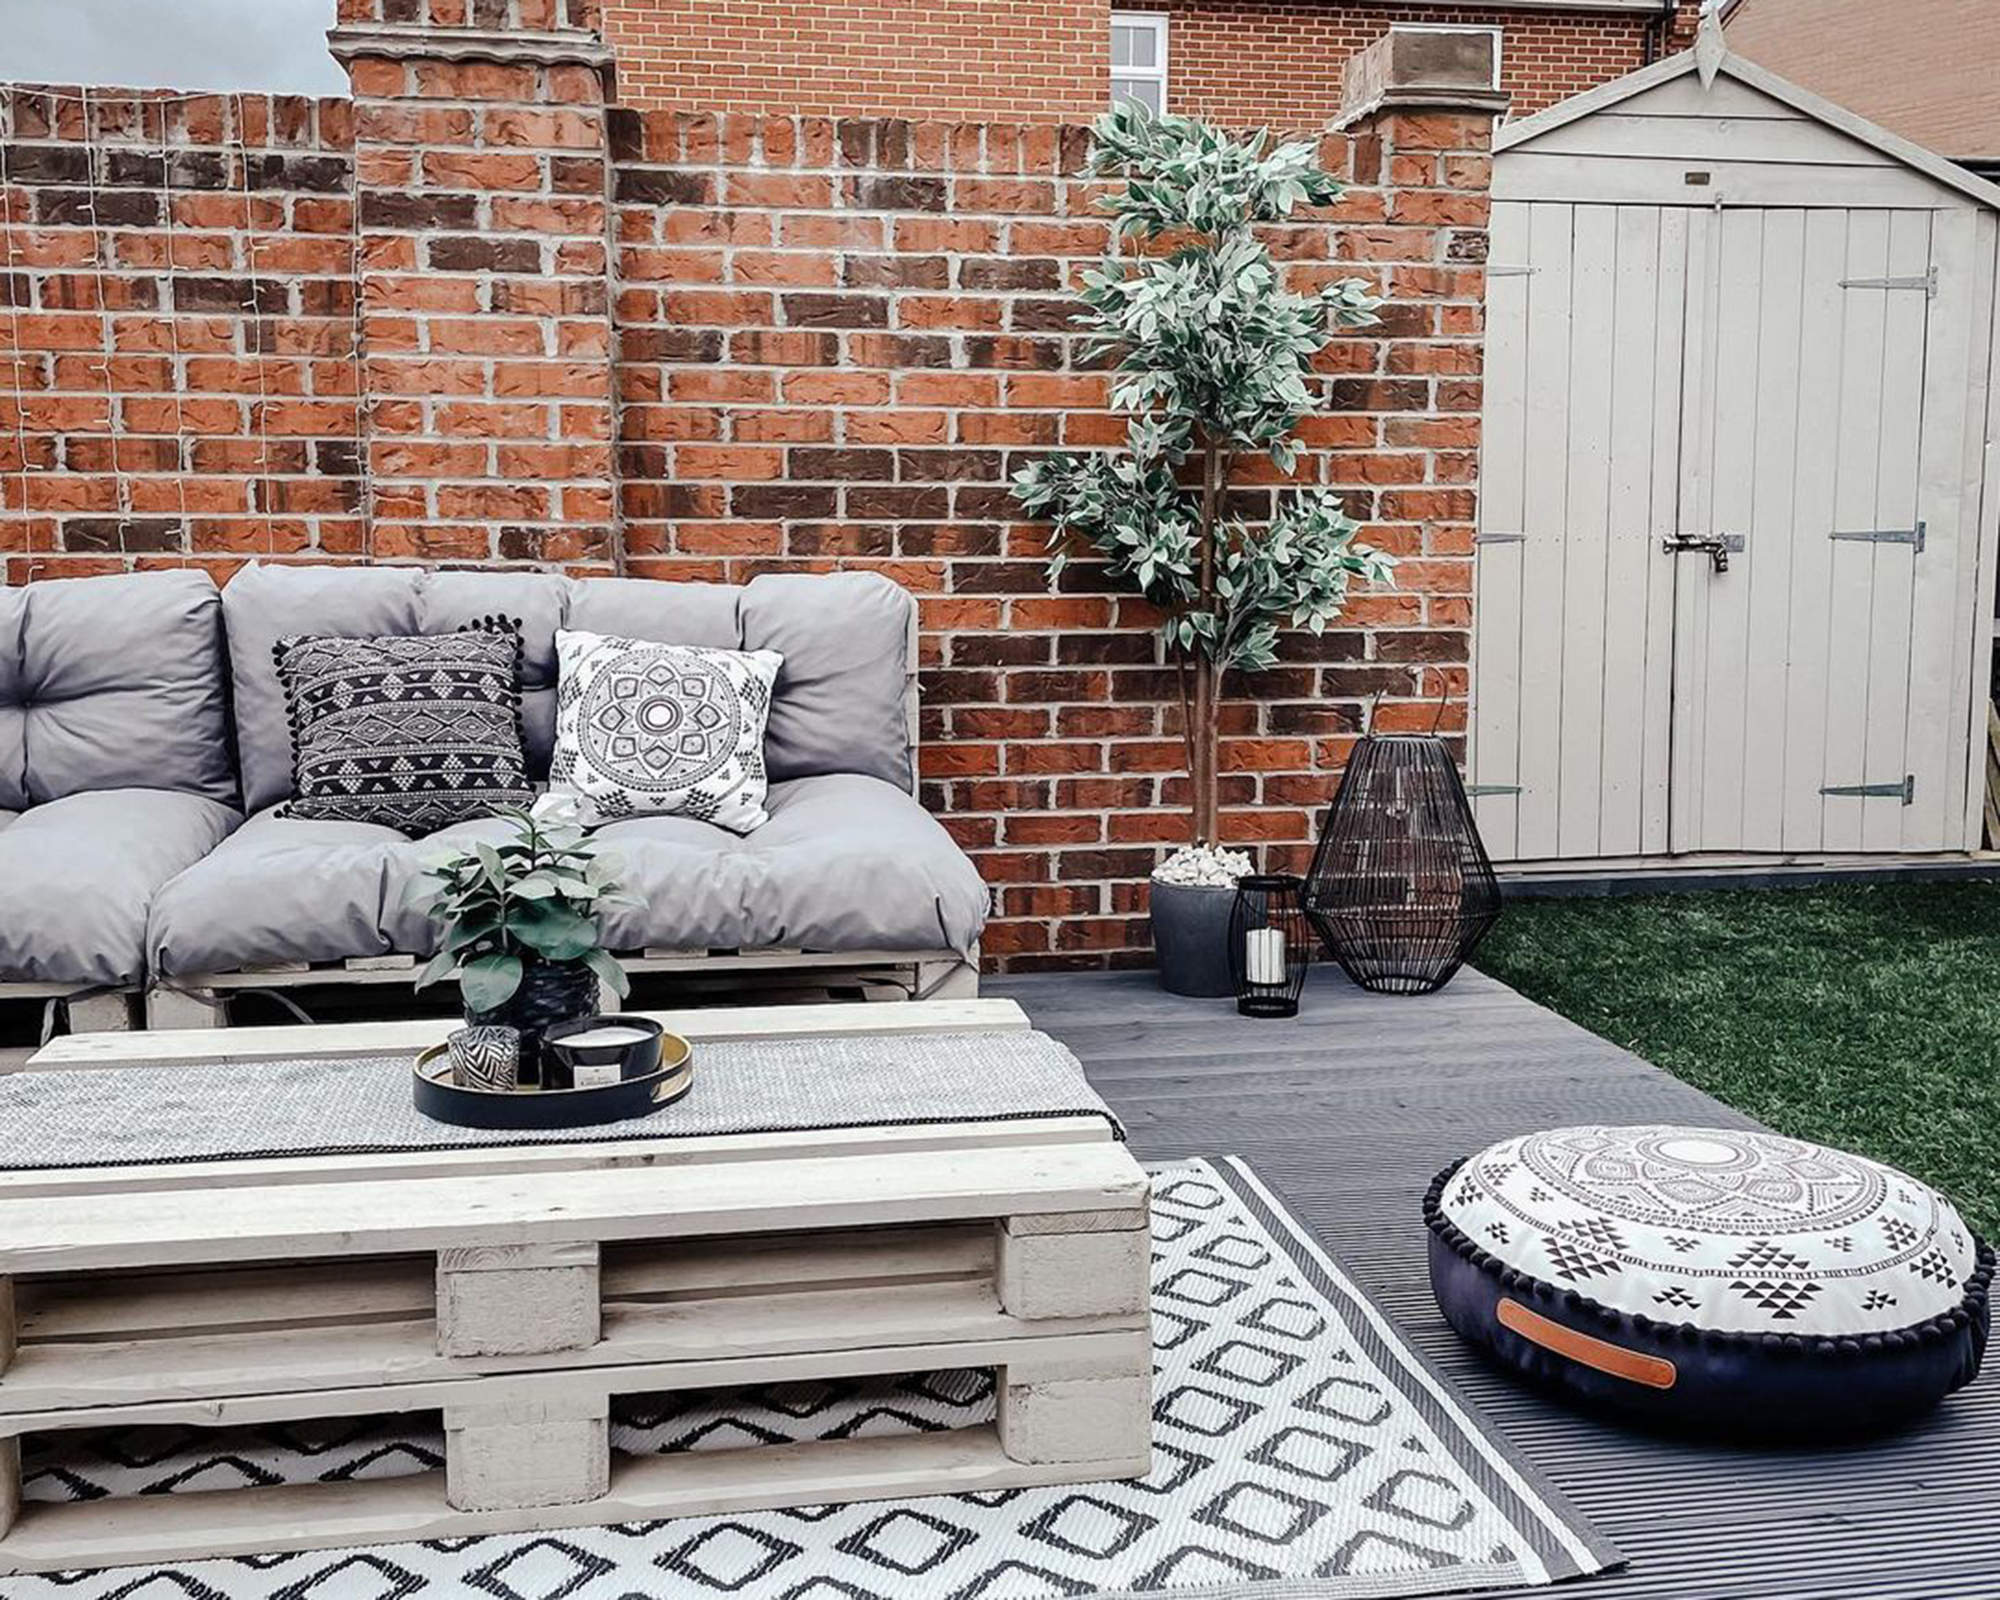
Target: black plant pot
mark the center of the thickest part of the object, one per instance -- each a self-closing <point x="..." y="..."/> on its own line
<point x="1191" y="937"/>
<point x="551" y="992"/>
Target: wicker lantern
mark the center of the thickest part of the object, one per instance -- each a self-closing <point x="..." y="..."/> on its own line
<point x="1270" y="944"/>
<point x="1401" y="889"/>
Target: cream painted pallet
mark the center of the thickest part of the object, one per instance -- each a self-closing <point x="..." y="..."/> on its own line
<point x="519" y="1290"/>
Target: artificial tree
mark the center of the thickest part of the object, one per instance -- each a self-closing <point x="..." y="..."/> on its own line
<point x="1213" y="361"/>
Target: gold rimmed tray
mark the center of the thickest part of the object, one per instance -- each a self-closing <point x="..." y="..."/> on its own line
<point x="438" y="1098"/>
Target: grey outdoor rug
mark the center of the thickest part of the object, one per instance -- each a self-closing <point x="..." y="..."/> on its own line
<point x="140" y="1114"/>
<point x="1303" y="1451"/>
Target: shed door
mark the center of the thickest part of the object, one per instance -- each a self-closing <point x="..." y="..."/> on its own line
<point x="1753" y="380"/>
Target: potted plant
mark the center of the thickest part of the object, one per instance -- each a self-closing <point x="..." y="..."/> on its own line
<point x="521" y="921"/>
<point x="1213" y="361"/>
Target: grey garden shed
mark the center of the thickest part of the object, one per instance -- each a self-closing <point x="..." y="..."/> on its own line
<point x="1736" y="559"/>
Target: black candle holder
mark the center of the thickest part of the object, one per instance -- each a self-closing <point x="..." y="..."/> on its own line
<point x="1270" y="944"/>
<point x="1401" y="888"/>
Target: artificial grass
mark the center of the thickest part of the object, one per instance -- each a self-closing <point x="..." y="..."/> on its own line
<point x="1863" y="1017"/>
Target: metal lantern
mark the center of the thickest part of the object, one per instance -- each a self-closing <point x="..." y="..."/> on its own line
<point x="1270" y="944"/>
<point x="1401" y="889"/>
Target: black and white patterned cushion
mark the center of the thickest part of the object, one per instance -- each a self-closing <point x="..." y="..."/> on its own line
<point x="410" y="731"/>
<point x="1723" y="1228"/>
<point x="662" y="728"/>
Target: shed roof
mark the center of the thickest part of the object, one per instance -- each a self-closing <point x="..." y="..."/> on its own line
<point x="1710" y="59"/>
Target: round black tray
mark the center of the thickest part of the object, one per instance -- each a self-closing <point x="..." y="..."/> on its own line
<point x="437" y="1097"/>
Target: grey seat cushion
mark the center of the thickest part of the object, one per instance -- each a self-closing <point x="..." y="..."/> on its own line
<point x="845" y="863"/>
<point x="113" y="682"/>
<point x="839" y="705"/>
<point x="78" y="877"/>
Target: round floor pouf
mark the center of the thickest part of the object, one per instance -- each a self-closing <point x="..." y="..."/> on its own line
<point x="1735" y="1282"/>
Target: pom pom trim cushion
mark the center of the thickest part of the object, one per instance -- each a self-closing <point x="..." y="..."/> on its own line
<point x="1535" y="1303"/>
<point x="413" y="732"/>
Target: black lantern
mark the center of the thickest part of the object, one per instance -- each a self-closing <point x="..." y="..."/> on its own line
<point x="1400" y="888"/>
<point x="1270" y="944"/>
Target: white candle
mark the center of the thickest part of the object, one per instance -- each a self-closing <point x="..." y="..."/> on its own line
<point x="1264" y="955"/>
<point x="591" y="1038"/>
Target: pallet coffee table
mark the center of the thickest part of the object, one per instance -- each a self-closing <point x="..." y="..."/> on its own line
<point x="517" y="1290"/>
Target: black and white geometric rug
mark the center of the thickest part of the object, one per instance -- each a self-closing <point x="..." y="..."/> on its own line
<point x="1302" y="1450"/>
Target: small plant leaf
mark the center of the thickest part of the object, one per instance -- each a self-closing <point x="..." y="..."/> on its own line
<point x="489" y="981"/>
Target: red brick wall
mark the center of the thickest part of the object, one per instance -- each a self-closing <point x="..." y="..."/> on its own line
<point x="749" y="343"/>
<point x="844" y="338"/>
<point x="1245" y="62"/>
<point x="178" y="368"/>
<point x="486" y="307"/>
<point x="1026" y="61"/>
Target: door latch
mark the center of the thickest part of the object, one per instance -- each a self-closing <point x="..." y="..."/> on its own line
<point x="1718" y="547"/>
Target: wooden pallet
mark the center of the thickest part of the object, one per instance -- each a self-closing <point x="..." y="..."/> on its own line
<point x="518" y="1291"/>
<point x="201" y="999"/>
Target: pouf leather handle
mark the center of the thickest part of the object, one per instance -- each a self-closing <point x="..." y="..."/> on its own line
<point x="1614" y="1360"/>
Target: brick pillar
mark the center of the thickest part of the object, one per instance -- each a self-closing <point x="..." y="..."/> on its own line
<point x="1420" y="109"/>
<point x="481" y="191"/>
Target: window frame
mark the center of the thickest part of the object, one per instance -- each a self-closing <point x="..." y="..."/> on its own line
<point x="1161" y="72"/>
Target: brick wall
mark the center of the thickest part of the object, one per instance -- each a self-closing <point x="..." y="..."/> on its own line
<point x="485" y="293"/>
<point x="1027" y="61"/>
<point x="843" y="338"/>
<point x="1244" y="62"/>
<point x="178" y="369"/>
<point x="720" y="345"/>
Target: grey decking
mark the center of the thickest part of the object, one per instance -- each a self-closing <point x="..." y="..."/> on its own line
<point x="1351" y="1110"/>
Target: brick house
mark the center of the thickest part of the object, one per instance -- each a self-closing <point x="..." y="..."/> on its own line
<point x="1244" y="62"/>
<point x="1921" y="68"/>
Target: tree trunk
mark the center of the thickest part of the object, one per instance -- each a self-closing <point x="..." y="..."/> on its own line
<point x="1201" y="737"/>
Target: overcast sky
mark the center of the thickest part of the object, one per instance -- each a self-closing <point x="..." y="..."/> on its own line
<point x="276" y="45"/>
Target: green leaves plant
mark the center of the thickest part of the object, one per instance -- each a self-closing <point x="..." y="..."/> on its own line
<point x="1211" y="352"/>
<point x="536" y="895"/>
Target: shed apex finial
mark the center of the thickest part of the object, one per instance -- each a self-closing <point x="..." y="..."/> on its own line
<point x="1709" y="46"/>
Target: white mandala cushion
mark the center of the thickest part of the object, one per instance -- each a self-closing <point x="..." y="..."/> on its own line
<point x="650" y="728"/>
<point x="1662" y="1267"/>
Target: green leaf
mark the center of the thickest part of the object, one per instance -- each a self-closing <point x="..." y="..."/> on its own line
<point x="489" y="981"/>
<point x="489" y="858"/>
<point x="556" y="935"/>
<point x="437" y="969"/>
<point x="606" y="966"/>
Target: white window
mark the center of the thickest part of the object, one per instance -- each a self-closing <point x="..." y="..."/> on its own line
<point x="1139" y="58"/>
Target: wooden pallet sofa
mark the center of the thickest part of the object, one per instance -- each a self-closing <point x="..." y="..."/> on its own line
<point x="145" y="758"/>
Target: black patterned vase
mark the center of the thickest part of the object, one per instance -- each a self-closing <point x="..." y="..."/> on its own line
<point x="550" y="992"/>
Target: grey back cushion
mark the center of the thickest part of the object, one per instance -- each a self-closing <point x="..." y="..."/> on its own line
<point x="840" y="703"/>
<point x="263" y="604"/>
<point x="13" y="710"/>
<point x="839" y="707"/>
<point x="114" y="683"/>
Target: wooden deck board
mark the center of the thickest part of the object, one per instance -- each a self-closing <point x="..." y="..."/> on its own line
<point x="1351" y="1110"/>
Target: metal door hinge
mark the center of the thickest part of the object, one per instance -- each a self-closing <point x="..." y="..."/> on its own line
<point x="1507" y="270"/>
<point x="1480" y="790"/>
<point x="1928" y="282"/>
<point x="1913" y="537"/>
<point x="1498" y="538"/>
<point x="1906" y="791"/>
